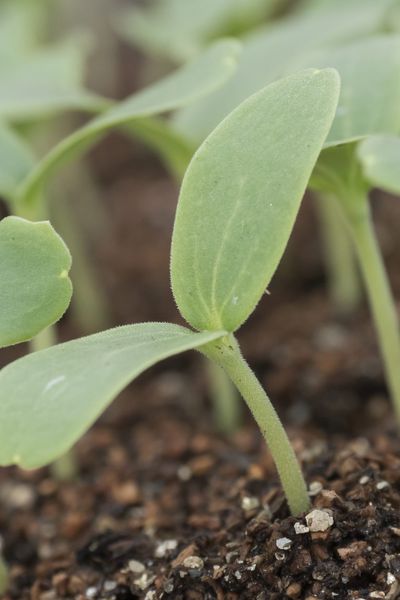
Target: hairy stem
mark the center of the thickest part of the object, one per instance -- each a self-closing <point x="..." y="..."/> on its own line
<point x="227" y="354"/>
<point x="226" y="403"/>
<point x="378" y="288"/>
<point x="340" y="260"/>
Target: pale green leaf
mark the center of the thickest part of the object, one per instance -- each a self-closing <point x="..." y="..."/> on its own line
<point x="179" y="29"/>
<point x="185" y="85"/>
<point x="380" y="161"/>
<point x="46" y="82"/>
<point x="369" y="102"/>
<point x="35" y="289"/>
<point x="241" y="195"/>
<point x="16" y="161"/>
<point x="273" y="52"/>
<point x="50" y="398"/>
<point x="20" y="24"/>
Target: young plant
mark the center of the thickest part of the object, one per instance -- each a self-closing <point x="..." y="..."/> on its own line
<point x="237" y="206"/>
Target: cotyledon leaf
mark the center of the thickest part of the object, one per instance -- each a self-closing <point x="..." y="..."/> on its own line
<point x="185" y="85"/>
<point x="379" y="156"/>
<point x="35" y="289"/>
<point x="240" y="197"/>
<point x="50" y="398"/>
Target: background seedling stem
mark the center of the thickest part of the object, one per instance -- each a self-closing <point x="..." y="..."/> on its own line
<point x="358" y="216"/>
<point x="340" y="260"/>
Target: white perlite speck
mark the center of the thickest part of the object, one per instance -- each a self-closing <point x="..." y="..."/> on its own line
<point x="382" y="485"/>
<point x="193" y="562"/>
<point x="390" y="578"/>
<point x="165" y="547"/>
<point x="315" y="488"/>
<point x="136" y="567"/>
<point x="250" y="503"/>
<point x="283" y="543"/>
<point x="299" y="528"/>
<point x="319" y="520"/>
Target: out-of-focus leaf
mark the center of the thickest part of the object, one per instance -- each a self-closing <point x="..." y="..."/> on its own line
<point x="20" y="24"/>
<point x="16" y="161"/>
<point x="179" y="29"/>
<point x="369" y="101"/>
<point x="185" y="85"/>
<point x="274" y="51"/>
<point x="50" y="398"/>
<point x="45" y="83"/>
<point x="380" y="160"/>
<point x="35" y="289"/>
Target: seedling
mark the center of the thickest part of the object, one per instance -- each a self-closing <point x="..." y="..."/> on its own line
<point x="237" y="206"/>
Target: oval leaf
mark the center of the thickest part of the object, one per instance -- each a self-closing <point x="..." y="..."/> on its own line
<point x="35" y="289"/>
<point x="379" y="156"/>
<point x="240" y="198"/>
<point x="50" y="398"/>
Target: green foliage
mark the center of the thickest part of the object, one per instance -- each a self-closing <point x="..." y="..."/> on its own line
<point x="20" y="25"/>
<point x="370" y="94"/>
<point x="179" y="29"/>
<point x="50" y="398"/>
<point x="45" y="83"/>
<point x="225" y="250"/>
<point x="182" y="87"/>
<point x="274" y="51"/>
<point x="238" y="204"/>
<point x="34" y="286"/>
<point x="379" y="156"/>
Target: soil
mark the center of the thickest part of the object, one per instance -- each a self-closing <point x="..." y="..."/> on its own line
<point x="165" y="507"/>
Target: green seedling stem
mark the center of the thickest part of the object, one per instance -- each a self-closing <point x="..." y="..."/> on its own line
<point x="225" y="401"/>
<point x="357" y="212"/>
<point x="341" y="265"/>
<point x="226" y="354"/>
